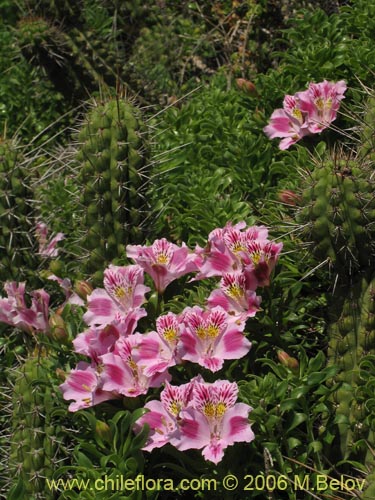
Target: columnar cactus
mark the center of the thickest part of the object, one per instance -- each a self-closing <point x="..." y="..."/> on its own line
<point x="16" y="214"/>
<point x="351" y="339"/>
<point x="33" y="441"/>
<point x="337" y="215"/>
<point x="113" y="176"/>
<point x="75" y="55"/>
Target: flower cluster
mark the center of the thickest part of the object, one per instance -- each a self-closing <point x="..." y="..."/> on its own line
<point x="305" y="113"/>
<point x="198" y="415"/>
<point x="124" y="362"/>
<point x="127" y="363"/>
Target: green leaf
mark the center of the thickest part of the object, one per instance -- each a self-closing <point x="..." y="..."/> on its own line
<point x="293" y="443"/>
<point x="289" y="404"/>
<point x="297" y="419"/>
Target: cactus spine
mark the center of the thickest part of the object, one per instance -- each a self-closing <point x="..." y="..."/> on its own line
<point x="113" y="171"/>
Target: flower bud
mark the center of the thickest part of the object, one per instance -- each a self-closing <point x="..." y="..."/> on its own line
<point x="289" y="197"/>
<point x="288" y="361"/>
<point x="83" y="289"/>
<point x="57" y="326"/>
<point x="103" y="430"/>
<point x="61" y="374"/>
<point x="247" y="87"/>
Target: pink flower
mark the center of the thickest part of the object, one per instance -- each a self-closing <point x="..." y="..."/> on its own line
<point x="159" y="349"/>
<point x="287" y="126"/>
<point x="225" y="248"/>
<point x="125" y="373"/>
<point x="47" y="248"/>
<point x="123" y="294"/>
<point x="163" y="416"/>
<point x="210" y="337"/>
<point x="214" y="420"/>
<point x="14" y="311"/>
<point x="321" y="101"/>
<point x="235" y="297"/>
<point x="260" y="260"/>
<point x="95" y="342"/>
<point x="235" y="249"/>
<point x="83" y="385"/>
<point x="305" y="113"/>
<point x="163" y="261"/>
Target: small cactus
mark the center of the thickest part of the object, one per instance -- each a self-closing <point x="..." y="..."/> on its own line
<point x="113" y="174"/>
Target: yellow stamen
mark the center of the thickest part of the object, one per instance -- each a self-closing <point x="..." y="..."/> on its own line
<point x="209" y="410"/>
<point x="297" y="113"/>
<point x="319" y="103"/>
<point x="201" y="332"/>
<point x="162" y="258"/>
<point x="120" y="292"/>
<point x="175" y="408"/>
<point x="212" y="331"/>
<point x="235" y="292"/>
<point x="221" y="408"/>
<point x="170" y="335"/>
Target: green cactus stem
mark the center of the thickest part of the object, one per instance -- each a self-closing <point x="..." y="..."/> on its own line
<point x="351" y="339"/>
<point x="337" y="216"/>
<point x="113" y="174"/>
<point x="338" y="211"/>
<point x="33" y="442"/>
<point x="17" y="245"/>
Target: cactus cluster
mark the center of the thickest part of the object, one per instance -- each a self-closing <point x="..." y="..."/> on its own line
<point x="113" y="175"/>
<point x="16" y="213"/>
<point x="33" y="441"/>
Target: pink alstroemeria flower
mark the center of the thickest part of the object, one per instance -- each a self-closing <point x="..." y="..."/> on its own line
<point x="83" y="385"/>
<point x="305" y="113"/>
<point x="159" y="349"/>
<point x="235" y="297"/>
<point x="224" y="249"/>
<point x="234" y="250"/>
<point x="125" y="373"/>
<point x="13" y="309"/>
<point x="214" y="420"/>
<point x="163" y="416"/>
<point x="320" y="102"/>
<point x="96" y="341"/>
<point x="260" y="260"/>
<point x="287" y="123"/>
<point x="47" y="248"/>
<point x="121" y="298"/>
<point x="210" y="337"/>
<point x="163" y="261"/>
